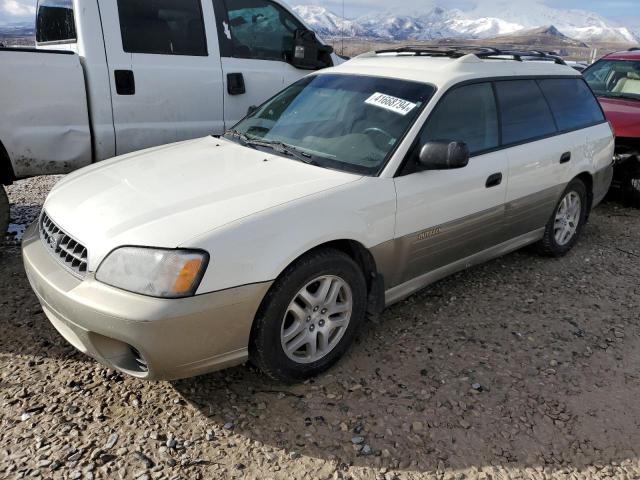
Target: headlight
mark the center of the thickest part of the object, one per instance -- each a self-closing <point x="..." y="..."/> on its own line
<point x="154" y="272"/>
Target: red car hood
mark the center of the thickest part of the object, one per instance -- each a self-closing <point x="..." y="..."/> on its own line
<point x="624" y="115"/>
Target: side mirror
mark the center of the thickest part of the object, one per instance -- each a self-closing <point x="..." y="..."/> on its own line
<point x="308" y="52"/>
<point x="444" y="155"/>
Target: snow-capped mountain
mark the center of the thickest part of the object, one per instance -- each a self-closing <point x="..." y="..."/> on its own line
<point x="489" y="18"/>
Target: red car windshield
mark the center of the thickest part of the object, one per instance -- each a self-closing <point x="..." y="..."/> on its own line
<point x="615" y="78"/>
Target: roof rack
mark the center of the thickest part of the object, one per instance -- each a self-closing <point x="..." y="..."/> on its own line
<point x="489" y="53"/>
<point x="634" y="49"/>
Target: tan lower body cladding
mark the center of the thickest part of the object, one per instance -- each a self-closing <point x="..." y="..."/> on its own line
<point x="413" y="261"/>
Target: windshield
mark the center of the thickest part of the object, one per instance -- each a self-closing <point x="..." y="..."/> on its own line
<point x="615" y="78"/>
<point x="345" y="122"/>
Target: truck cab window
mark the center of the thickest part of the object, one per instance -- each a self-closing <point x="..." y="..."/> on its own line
<point x="55" y="21"/>
<point x="260" y="29"/>
<point x="164" y="27"/>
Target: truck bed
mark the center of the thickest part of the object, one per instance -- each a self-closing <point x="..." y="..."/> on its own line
<point x="44" y="121"/>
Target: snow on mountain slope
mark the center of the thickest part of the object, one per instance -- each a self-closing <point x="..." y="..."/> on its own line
<point x="488" y="18"/>
<point x="325" y="22"/>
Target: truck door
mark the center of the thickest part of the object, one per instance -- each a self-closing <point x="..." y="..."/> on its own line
<point x="165" y="73"/>
<point x="255" y="36"/>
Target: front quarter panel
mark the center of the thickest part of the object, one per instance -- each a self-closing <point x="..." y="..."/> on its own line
<point x="258" y="248"/>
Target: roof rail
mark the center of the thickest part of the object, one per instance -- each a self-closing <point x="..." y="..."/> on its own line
<point x="634" y="49"/>
<point x="483" y="52"/>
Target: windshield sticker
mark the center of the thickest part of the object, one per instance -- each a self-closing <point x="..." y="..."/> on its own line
<point x="388" y="102"/>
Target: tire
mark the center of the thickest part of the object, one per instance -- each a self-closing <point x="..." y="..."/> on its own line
<point x="285" y="319"/>
<point x="4" y="213"/>
<point x="553" y="244"/>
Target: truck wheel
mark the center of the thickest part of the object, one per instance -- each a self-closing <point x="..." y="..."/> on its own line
<point x="566" y="222"/>
<point x="309" y="317"/>
<point x="4" y="213"/>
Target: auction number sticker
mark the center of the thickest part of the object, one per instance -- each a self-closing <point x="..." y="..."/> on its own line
<point x="388" y="102"/>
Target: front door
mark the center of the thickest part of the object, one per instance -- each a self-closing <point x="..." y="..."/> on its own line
<point x="164" y="63"/>
<point x="255" y="38"/>
<point x="447" y="215"/>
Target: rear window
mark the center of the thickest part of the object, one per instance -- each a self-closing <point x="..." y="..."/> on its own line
<point x="164" y="27"/>
<point x="55" y="22"/>
<point x="572" y="103"/>
<point x="524" y="111"/>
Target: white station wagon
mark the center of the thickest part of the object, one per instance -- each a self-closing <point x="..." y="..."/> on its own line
<point x="348" y="191"/>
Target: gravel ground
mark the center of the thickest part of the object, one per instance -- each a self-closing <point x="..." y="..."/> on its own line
<point x="522" y="368"/>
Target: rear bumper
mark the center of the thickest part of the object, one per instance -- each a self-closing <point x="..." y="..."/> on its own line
<point x="145" y="337"/>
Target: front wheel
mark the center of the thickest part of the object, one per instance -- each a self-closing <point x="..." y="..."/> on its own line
<point x="567" y="221"/>
<point x="4" y="213"/>
<point x="309" y="317"/>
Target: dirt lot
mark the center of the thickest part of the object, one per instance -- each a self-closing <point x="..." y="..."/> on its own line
<point x="524" y="367"/>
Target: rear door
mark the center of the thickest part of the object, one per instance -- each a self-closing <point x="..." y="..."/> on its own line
<point x="255" y="38"/>
<point x="448" y="215"/>
<point x="165" y="72"/>
<point x="538" y="155"/>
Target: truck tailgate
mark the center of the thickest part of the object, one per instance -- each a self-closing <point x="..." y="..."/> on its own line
<point x="44" y="121"/>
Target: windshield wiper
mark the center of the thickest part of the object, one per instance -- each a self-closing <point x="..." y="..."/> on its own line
<point x="277" y="146"/>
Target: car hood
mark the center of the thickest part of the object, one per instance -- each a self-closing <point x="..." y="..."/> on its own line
<point x="624" y="115"/>
<point x="165" y="196"/>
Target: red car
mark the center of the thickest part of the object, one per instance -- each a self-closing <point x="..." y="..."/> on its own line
<point x="615" y="79"/>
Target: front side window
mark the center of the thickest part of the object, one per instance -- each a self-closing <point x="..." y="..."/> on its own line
<point x="466" y="114"/>
<point x="260" y="29"/>
<point x="345" y="122"/>
<point x="524" y="111"/>
<point x="55" y="21"/>
<point x="165" y="27"/>
<point x="572" y="103"/>
<point x="615" y="78"/>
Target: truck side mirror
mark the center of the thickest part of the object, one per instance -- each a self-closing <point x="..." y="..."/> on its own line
<point x="308" y="53"/>
<point x="444" y="155"/>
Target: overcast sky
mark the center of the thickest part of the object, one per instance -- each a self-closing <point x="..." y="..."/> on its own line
<point x="624" y="11"/>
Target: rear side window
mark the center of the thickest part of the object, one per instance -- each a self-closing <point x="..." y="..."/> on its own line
<point x="55" y="22"/>
<point x="166" y="27"/>
<point x="466" y="114"/>
<point x="572" y="103"/>
<point x="524" y="111"/>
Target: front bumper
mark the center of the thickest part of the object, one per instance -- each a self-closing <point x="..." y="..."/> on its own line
<point x="149" y="338"/>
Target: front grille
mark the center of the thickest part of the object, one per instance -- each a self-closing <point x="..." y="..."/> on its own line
<point x="71" y="254"/>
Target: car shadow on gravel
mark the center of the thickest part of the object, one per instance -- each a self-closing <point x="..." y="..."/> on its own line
<point x="524" y="361"/>
<point x="26" y="332"/>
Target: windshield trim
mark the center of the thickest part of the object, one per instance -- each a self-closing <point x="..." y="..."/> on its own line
<point x="346" y="167"/>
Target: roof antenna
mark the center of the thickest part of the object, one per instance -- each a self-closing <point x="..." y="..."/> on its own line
<point x="342" y="29"/>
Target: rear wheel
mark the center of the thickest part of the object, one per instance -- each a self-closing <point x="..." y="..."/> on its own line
<point x="309" y="317"/>
<point x="567" y="221"/>
<point x="4" y="212"/>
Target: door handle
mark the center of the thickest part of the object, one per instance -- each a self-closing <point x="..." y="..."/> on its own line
<point x="566" y="157"/>
<point x="235" y="84"/>
<point x="125" y="82"/>
<point x="494" y="180"/>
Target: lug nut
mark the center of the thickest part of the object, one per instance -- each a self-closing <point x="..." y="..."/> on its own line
<point x="308" y="319"/>
<point x="321" y="323"/>
<point x="312" y="328"/>
<point x="324" y="310"/>
<point x="315" y="309"/>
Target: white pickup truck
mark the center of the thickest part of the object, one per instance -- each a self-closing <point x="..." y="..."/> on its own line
<point x="108" y="77"/>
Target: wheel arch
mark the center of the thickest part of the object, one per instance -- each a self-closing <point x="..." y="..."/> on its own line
<point x="587" y="179"/>
<point x="363" y="258"/>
